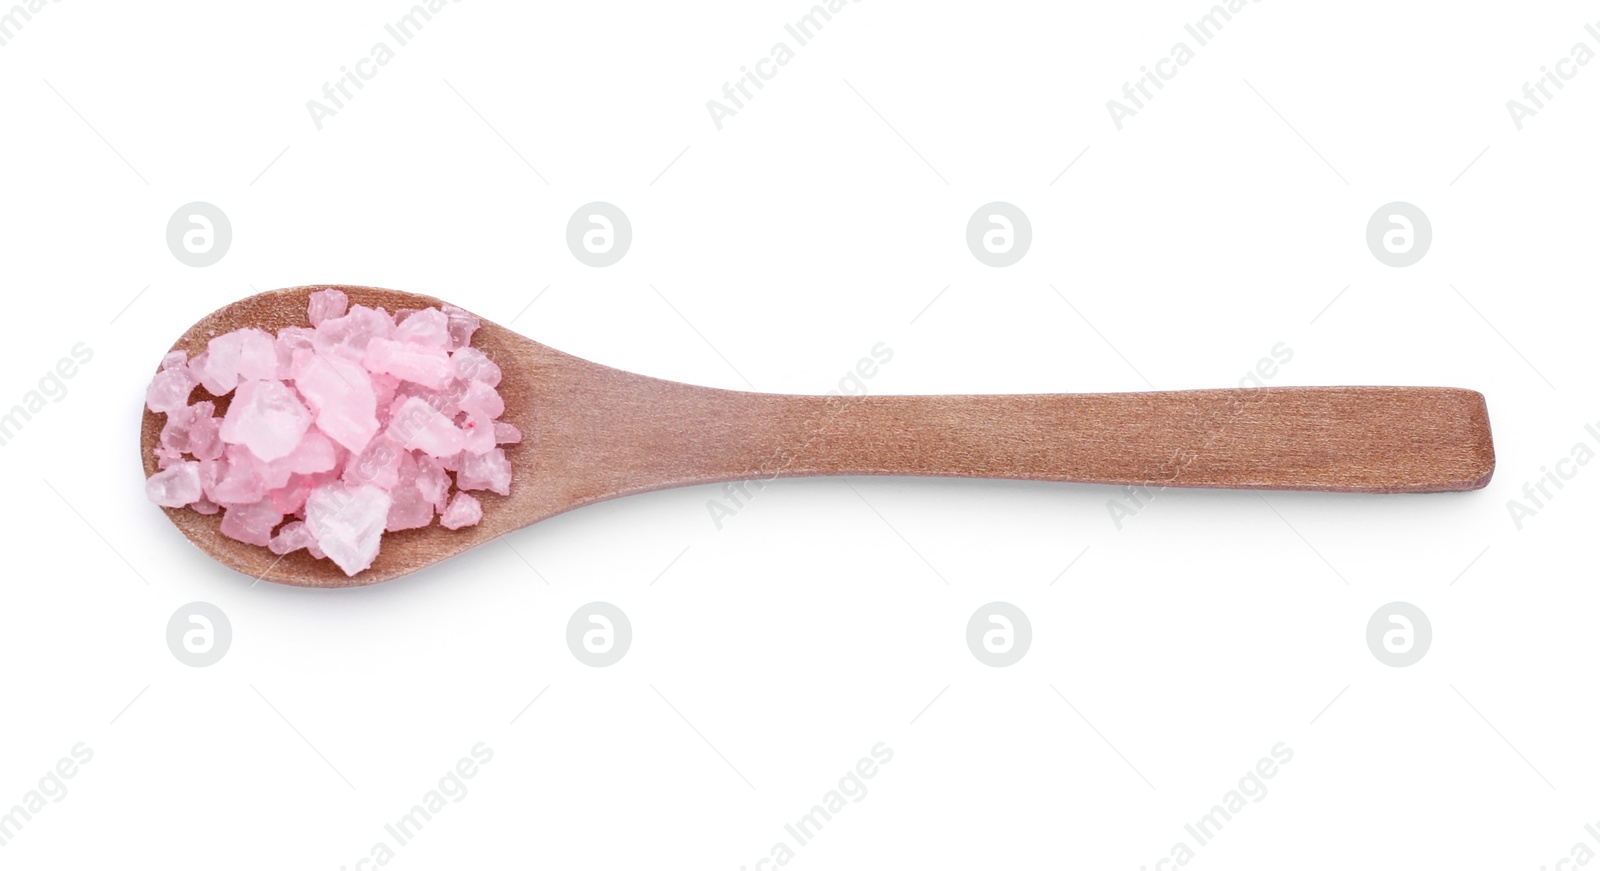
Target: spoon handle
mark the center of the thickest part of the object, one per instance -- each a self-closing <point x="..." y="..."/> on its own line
<point x="1352" y="439"/>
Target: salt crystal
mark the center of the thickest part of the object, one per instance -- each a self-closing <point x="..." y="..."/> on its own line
<point x="490" y="471"/>
<point x="205" y="506"/>
<point x="180" y="421"/>
<point x="462" y="325"/>
<point x="418" y="426"/>
<point x="233" y="479"/>
<point x="409" y="361"/>
<point x="473" y="365"/>
<point x="326" y="305"/>
<point x="384" y="387"/>
<point x="347" y="522"/>
<point x="166" y="458"/>
<point x="429" y="327"/>
<point x="442" y="401"/>
<point x="169" y="390"/>
<point x="267" y="417"/>
<point x="506" y="434"/>
<point x="274" y="475"/>
<point x="348" y="336"/>
<point x="340" y="395"/>
<point x="205" y="438"/>
<point x="464" y="510"/>
<point x="477" y="435"/>
<point x="258" y="355"/>
<point x="291" y="497"/>
<point x="481" y="401"/>
<point x="378" y="465"/>
<point x="314" y="453"/>
<point x="175" y="486"/>
<point x="291" y="537"/>
<point x="411" y="509"/>
<point x="251" y="523"/>
<point x="174" y="359"/>
<point x="218" y="367"/>
<point x="290" y="339"/>
<point x="432" y="481"/>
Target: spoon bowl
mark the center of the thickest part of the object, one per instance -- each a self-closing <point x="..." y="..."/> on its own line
<point x="591" y="432"/>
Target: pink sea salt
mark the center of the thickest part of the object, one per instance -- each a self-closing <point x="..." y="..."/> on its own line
<point x="410" y="361"/>
<point x="462" y="324"/>
<point x="378" y="464"/>
<point x="429" y="327"/>
<point x="477" y="436"/>
<point x="314" y="453"/>
<point x="170" y="389"/>
<point x="334" y="433"/>
<point x="347" y="336"/>
<point x="433" y="482"/>
<point x="472" y="364"/>
<point x="464" y="510"/>
<point x="246" y="353"/>
<point x="411" y="508"/>
<point x="175" y="486"/>
<point x="341" y="395"/>
<point x="290" y="339"/>
<point x="252" y="522"/>
<point x="205" y="437"/>
<point x="205" y="506"/>
<point x="258" y="356"/>
<point x="176" y="434"/>
<point x="291" y="537"/>
<point x="234" y="478"/>
<point x="326" y="305"/>
<point x="506" y="434"/>
<point x="347" y="522"/>
<point x="266" y="417"/>
<point x="490" y="471"/>
<point x="417" y="425"/>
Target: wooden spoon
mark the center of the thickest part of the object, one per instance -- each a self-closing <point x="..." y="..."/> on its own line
<point x="591" y="432"/>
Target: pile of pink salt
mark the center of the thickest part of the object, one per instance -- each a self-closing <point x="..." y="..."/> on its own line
<point x="361" y="424"/>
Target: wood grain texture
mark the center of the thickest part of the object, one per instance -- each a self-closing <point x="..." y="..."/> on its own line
<point x="591" y="433"/>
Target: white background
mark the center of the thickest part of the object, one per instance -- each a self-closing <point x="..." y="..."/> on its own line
<point x="768" y="656"/>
